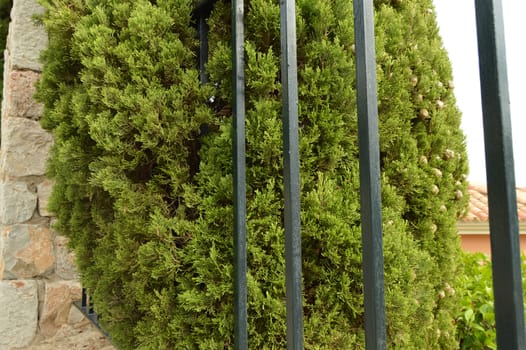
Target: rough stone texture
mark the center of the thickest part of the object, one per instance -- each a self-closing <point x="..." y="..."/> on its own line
<point x="2" y="264"/>
<point x="18" y="96"/>
<point x="75" y="316"/>
<point x="44" y="192"/>
<point x="5" y="77"/>
<point x="28" y="251"/>
<point x="57" y="303"/>
<point x="80" y="336"/>
<point x="17" y="202"/>
<point x="65" y="260"/>
<point x="26" y="38"/>
<point x="19" y="315"/>
<point x="25" y="147"/>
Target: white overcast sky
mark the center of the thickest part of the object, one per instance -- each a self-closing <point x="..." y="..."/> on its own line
<point x="456" y="19"/>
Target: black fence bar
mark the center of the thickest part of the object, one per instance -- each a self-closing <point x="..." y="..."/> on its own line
<point x="240" y="245"/>
<point x="85" y="306"/>
<point x="202" y="28"/>
<point x="291" y="178"/>
<point x="202" y="9"/>
<point x="370" y="194"/>
<point x="502" y="198"/>
<point x="84" y="300"/>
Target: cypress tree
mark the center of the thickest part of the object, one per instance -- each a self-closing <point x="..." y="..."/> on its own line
<point x="146" y="198"/>
<point x="122" y="97"/>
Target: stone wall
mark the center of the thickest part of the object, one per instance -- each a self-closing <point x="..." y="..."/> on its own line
<point x="37" y="277"/>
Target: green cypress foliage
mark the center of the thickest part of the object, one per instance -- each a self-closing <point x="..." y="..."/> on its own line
<point x="146" y="198"/>
<point x="123" y="99"/>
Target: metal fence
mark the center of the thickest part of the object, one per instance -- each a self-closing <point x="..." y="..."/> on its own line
<point x="506" y="262"/>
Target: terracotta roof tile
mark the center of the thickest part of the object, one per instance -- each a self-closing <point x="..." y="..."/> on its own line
<point x="478" y="204"/>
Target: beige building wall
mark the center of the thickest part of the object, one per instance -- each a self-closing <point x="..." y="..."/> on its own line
<point x="474" y="237"/>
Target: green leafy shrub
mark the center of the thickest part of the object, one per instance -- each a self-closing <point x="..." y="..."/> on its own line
<point x="476" y="316"/>
<point x="146" y="197"/>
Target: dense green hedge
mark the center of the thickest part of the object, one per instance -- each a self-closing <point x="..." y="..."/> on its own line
<point x="146" y="198"/>
<point x="475" y="319"/>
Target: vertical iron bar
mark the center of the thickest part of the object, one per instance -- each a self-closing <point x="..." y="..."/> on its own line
<point x="291" y="176"/>
<point x="202" y="29"/>
<point x="504" y="227"/>
<point x="84" y="300"/>
<point x="370" y="194"/>
<point x="90" y="309"/>
<point x="240" y="245"/>
<point x="203" y="46"/>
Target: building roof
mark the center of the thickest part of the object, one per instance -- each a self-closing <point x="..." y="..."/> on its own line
<point x="478" y="204"/>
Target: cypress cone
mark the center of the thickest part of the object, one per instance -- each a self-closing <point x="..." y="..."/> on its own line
<point x="146" y="198"/>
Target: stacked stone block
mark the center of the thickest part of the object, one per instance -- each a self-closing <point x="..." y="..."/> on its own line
<point x="37" y="276"/>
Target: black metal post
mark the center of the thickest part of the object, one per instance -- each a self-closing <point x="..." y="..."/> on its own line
<point x="370" y="193"/>
<point x="240" y="245"/>
<point x="84" y="301"/>
<point x="202" y="27"/>
<point x="502" y="198"/>
<point x="289" y="81"/>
